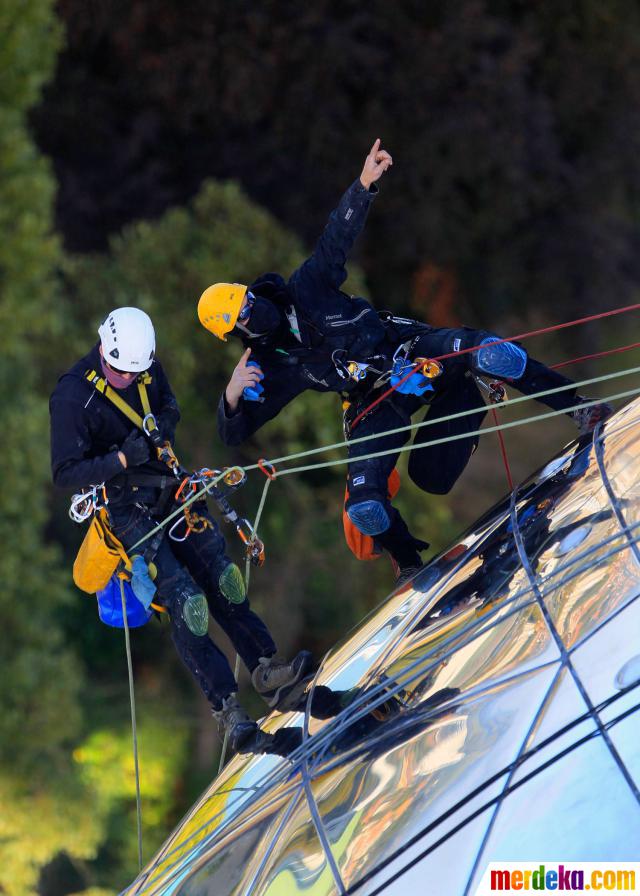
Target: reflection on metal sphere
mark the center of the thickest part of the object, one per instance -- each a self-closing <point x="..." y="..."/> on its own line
<point x="491" y="713"/>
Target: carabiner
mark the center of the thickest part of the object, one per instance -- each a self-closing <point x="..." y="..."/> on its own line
<point x="173" y="537"/>
<point x="149" y="424"/>
<point x="267" y="468"/>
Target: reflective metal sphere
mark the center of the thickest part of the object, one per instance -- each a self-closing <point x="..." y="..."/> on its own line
<point x="489" y="710"/>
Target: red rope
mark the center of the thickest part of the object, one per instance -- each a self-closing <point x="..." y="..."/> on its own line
<point x="503" y="450"/>
<point x="613" y="351"/>
<point x="569" y="323"/>
<point x="539" y="332"/>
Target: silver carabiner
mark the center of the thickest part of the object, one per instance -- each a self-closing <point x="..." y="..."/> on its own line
<point x="173" y="537"/>
<point x="147" y="430"/>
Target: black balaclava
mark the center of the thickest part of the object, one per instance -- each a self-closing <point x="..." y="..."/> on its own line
<point x="264" y="322"/>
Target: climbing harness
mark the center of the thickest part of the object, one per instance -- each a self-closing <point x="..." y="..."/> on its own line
<point x="148" y="424"/>
<point x="406" y="375"/>
<point x="83" y="507"/>
<point x="357" y="371"/>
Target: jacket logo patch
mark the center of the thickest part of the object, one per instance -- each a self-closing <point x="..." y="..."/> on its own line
<point x="456" y="344"/>
<point x="348" y="214"/>
<point x="359" y="480"/>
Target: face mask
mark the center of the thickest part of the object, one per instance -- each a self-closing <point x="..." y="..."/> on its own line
<point x="264" y="319"/>
<point x="115" y="379"/>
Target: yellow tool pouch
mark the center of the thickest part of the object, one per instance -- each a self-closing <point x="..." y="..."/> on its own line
<point x="98" y="556"/>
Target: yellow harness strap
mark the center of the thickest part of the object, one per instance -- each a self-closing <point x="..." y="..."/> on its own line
<point x="101" y="385"/>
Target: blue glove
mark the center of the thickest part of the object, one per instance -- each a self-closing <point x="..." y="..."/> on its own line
<point x="141" y="583"/>
<point x="416" y="384"/>
<point x="253" y="393"/>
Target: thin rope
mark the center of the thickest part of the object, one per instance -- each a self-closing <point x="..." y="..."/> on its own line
<point x="198" y="495"/>
<point x="466" y="435"/>
<point x="347" y="443"/>
<point x="503" y="450"/>
<point x="473" y="348"/>
<point x="611" y="351"/>
<point x="134" y="729"/>
<point x="541" y="331"/>
<point x="225" y="741"/>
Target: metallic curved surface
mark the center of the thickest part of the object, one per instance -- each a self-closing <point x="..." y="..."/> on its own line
<point x="488" y="710"/>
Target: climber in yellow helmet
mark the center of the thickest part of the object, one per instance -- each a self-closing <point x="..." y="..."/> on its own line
<point x="306" y="333"/>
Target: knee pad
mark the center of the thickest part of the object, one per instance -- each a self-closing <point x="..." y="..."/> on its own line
<point x="504" y="360"/>
<point x="195" y="613"/>
<point x="369" y="517"/>
<point x="231" y="584"/>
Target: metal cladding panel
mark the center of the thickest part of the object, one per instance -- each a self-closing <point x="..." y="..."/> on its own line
<point x="488" y="710"/>
<point x="578" y="808"/>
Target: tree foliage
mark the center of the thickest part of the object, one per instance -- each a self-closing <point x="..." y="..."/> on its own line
<point x="514" y="127"/>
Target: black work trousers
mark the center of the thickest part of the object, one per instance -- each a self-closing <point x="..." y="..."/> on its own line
<point x="434" y="468"/>
<point x="192" y="567"/>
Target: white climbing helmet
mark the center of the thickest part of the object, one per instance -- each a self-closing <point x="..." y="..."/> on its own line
<point x="128" y="339"/>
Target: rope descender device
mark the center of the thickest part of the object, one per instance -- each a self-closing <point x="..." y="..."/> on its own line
<point x="254" y="546"/>
<point x="495" y="391"/>
<point x="164" y="450"/>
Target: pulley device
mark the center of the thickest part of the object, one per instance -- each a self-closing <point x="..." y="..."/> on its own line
<point x="407" y="375"/>
<point x="412" y="376"/>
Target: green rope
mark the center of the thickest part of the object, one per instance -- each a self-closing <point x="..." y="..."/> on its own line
<point x="465" y="435"/>
<point x="503" y="404"/>
<point x="196" y="496"/>
<point x="134" y="729"/>
<point x="412" y="426"/>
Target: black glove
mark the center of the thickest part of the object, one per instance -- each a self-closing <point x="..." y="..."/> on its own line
<point x="135" y="448"/>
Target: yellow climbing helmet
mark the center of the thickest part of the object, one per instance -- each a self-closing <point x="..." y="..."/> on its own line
<point x="219" y="307"/>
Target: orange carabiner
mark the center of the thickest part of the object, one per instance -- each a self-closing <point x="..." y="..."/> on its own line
<point x="267" y="468"/>
<point x="179" y="496"/>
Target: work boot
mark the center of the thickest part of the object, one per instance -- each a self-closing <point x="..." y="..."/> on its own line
<point x="587" y="418"/>
<point x="275" y="680"/>
<point x="233" y="720"/>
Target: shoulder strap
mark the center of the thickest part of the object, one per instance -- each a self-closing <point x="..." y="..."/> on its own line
<point x="101" y="385"/>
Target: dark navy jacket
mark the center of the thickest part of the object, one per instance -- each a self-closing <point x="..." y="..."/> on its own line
<point x="325" y="319"/>
<point x="87" y="429"/>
